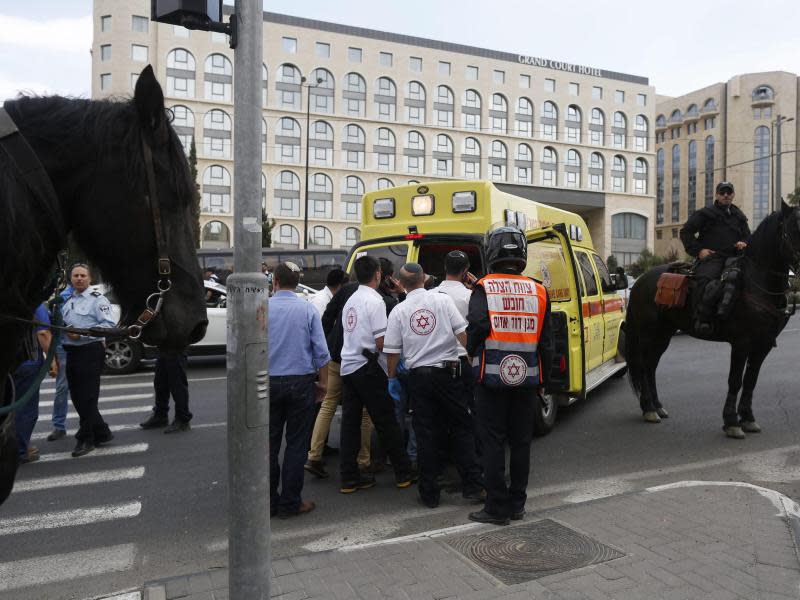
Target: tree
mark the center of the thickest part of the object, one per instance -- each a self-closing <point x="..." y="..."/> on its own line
<point x="196" y="204"/>
<point x="267" y="226"/>
<point x="794" y="197"/>
<point x="647" y="260"/>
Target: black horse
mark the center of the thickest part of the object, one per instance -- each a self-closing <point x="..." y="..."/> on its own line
<point x="93" y="153"/>
<point x="756" y="320"/>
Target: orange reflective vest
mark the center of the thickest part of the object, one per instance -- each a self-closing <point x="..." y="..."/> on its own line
<point x="510" y="357"/>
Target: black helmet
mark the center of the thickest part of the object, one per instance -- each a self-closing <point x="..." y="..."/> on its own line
<point x="506" y="248"/>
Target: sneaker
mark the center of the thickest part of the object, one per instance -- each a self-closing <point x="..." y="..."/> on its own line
<point x="485" y="517"/>
<point x="178" y="426"/>
<point x="316" y="468"/>
<point x="306" y="506"/>
<point x="363" y="482"/>
<point x="56" y="434"/>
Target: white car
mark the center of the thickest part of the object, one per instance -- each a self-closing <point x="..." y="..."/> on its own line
<point x="126" y="355"/>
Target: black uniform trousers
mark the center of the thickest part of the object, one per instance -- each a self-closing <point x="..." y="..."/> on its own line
<point x="368" y="387"/>
<point x="170" y="379"/>
<point x="468" y="385"/>
<point x="506" y="416"/>
<point x="440" y="405"/>
<point x="84" y="365"/>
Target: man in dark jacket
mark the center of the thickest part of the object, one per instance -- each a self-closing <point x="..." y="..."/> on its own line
<point x="712" y="235"/>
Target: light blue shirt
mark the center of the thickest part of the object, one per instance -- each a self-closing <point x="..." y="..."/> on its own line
<point x="296" y="341"/>
<point x="86" y="309"/>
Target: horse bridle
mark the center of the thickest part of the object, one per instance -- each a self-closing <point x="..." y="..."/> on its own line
<point x="38" y="181"/>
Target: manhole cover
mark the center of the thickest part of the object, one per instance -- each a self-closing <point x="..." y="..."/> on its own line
<point x="522" y="553"/>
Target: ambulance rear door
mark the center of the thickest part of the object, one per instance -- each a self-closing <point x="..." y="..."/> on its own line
<point x="397" y="251"/>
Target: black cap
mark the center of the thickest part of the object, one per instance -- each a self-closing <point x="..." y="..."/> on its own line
<point x="455" y="262"/>
<point x="724" y="184"/>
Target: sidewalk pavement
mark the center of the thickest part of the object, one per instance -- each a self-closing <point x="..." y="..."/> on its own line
<point x="692" y="539"/>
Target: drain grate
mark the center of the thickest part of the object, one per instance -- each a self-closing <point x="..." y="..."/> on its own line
<point x="525" y="552"/>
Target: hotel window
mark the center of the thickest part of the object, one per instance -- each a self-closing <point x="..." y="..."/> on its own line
<point x="443" y="107"/>
<point x="709" y="123"/>
<point x="525" y="81"/>
<point x="641" y="99"/>
<point x="619" y="96"/>
<point x="499" y="114"/>
<point x="354" y="55"/>
<point x="574" y="89"/>
<point x="620" y="130"/>
<point x="676" y="182"/>
<point x="180" y="84"/>
<point x="499" y="76"/>
<point x="470" y="111"/>
<point x="138" y="53"/>
<point x="105" y="23"/>
<point x="761" y="174"/>
<point x="105" y="52"/>
<point x="549" y="85"/>
<point x="322" y="204"/>
<point x="140" y="24"/>
<point x="288" y="236"/>
<point x="640" y="177"/>
<point x="355" y="93"/>
<point x="470" y="159"/>
<point x="596" y="128"/>
<point x="709" y="171"/>
<point x="384" y="184"/>
<point x="675" y="133"/>
<point x="385" y="59"/>
<point x="472" y="73"/>
<point x="573" y="124"/>
<point x="322" y="94"/>
<point x="690" y="129"/>
<point x="597" y="92"/>
<point x="289" y="45"/>
<point x="216" y="190"/>
<point x="218" y="78"/>
<point x="287" y="194"/>
<point x="548" y="167"/>
<point x="660" y="186"/>
<point x="548" y="130"/>
<point x="287" y="141"/>
<point x="618" y="174"/>
<point x="385" y="149"/>
<point x="105" y="81"/>
<point x="641" y="131"/>
<point x="217" y="134"/>
<point x="289" y="98"/>
<point x="444" y="68"/>
<point x="524" y="117"/>
<point x="596" y="171"/>
<point x="573" y="177"/>
<point x="415" y="64"/>
<point x="386" y="99"/>
<point x="322" y="49"/>
<point x="352" y="235"/>
<point x="321" y="236"/>
<point x="321" y="144"/>
<point x="415" y="153"/>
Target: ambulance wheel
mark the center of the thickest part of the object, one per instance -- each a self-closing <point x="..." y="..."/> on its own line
<point x="544" y="419"/>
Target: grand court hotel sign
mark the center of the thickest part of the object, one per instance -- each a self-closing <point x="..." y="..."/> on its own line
<point x="548" y="63"/>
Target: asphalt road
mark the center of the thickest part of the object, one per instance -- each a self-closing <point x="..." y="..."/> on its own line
<point x="152" y="505"/>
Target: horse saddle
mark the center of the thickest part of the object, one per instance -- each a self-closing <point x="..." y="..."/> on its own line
<point x="672" y="287"/>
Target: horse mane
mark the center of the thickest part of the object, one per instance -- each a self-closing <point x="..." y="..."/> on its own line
<point x="763" y="241"/>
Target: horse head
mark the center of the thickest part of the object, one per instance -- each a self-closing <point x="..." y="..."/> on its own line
<point x="790" y="235"/>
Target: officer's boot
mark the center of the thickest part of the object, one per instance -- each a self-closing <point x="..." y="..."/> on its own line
<point x="704" y="315"/>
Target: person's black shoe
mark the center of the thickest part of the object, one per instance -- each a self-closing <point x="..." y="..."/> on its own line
<point x="518" y="516"/>
<point x="363" y="482"/>
<point x="427" y="502"/>
<point x="154" y="421"/>
<point x="477" y="496"/>
<point x="316" y="468"/>
<point x="485" y="517"/>
<point x="56" y="434"/>
<point x="98" y="441"/>
<point x="328" y="451"/>
<point x="82" y="448"/>
<point x="178" y="426"/>
<point x="406" y="480"/>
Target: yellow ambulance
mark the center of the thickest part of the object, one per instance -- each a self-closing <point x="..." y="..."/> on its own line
<point x="423" y="222"/>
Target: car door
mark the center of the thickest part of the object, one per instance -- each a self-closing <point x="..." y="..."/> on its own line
<point x="613" y="309"/>
<point x="592" y="308"/>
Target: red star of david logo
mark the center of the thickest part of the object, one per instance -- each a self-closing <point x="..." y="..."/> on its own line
<point x="423" y="322"/>
<point x="351" y="319"/>
<point x="513" y="370"/>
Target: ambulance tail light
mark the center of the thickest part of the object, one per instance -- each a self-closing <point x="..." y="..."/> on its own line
<point x="562" y="364"/>
<point x="413" y="236"/>
<point x="383" y="208"/>
<point x="422" y="205"/>
<point x="464" y="202"/>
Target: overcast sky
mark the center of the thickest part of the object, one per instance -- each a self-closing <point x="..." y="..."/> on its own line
<point x="680" y="45"/>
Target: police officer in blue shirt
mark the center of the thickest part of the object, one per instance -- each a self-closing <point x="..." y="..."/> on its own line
<point x="85" y="358"/>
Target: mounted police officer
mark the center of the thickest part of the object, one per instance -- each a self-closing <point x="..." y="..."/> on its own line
<point x="510" y="341"/>
<point x="85" y="358"/>
<point x="712" y="235"/>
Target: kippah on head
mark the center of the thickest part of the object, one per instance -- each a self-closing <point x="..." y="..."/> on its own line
<point x="412" y="267"/>
<point x="455" y="262"/>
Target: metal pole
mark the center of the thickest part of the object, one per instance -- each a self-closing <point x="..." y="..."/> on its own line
<point x="778" y="163"/>
<point x="305" y="209"/>
<point x="248" y="379"/>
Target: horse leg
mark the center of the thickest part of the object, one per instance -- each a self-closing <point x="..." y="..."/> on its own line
<point x="746" y="419"/>
<point x="729" y="417"/>
<point x="652" y="409"/>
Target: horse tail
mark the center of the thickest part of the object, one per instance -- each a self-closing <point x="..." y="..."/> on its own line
<point x="633" y="348"/>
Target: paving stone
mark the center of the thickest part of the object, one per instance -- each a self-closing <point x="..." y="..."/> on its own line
<point x="155" y="592"/>
<point x="177" y="587"/>
<point x="283" y="566"/>
<point x="201" y="582"/>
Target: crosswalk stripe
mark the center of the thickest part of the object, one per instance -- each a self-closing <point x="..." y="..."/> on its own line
<point x="121" y="398"/>
<point x="115" y="411"/>
<point x="125" y="386"/>
<point x="75" y="479"/>
<point x="64" y="567"/>
<point x="69" y="518"/>
<point x="129" y="427"/>
<point x="101" y="451"/>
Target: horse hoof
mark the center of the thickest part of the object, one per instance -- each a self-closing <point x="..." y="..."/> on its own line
<point x="662" y="412"/>
<point x="651" y="416"/>
<point x="750" y="427"/>
<point x="735" y="432"/>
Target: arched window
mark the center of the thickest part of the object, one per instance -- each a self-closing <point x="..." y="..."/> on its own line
<point x="676" y="183"/>
<point x="263" y="140"/>
<point x="524" y="117"/>
<point x="548" y="168"/>
<point x="549" y="121"/>
<point x="386" y="99"/>
<point x="354" y="95"/>
<point x="352" y="235"/>
<point x="640" y="133"/>
<point x="218" y="78"/>
<point x="352" y="191"/>
<point x="287" y="141"/>
<point x="322" y="90"/>
<point x="661" y="121"/>
<point x="353" y="146"/>
<point x="471" y="110"/>
<point x="287" y="86"/>
<point x="710" y="105"/>
<point x="287" y="194"/>
<point x="660" y="186"/>
<point x="572" y="170"/>
<point x="618" y="173"/>
<point x="640" y="175"/>
<point x="597" y="125"/>
<point x="443" y="107"/>
<point x="573" y="124"/>
<point x="384" y="183"/>
<point x="709" y="171"/>
<point x="691" y="179"/>
<point x="499" y="114"/>
<point x="288" y="237"/>
<point x="321" y="144"/>
<point x="443" y="156"/>
<point x="415" y="103"/>
<point x="692" y="111"/>
<point x="320" y="196"/>
<point x="619" y="130"/>
<point x="628" y="237"/>
<point x="498" y="158"/>
<point x="385" y="149"/>
<point x="215" y="235"/>
<point x="217" y="134"/>
<point x="216" y="190"/>
<point x="414" y="153"/>
<point x="471" y="159"/>
<point x="321" y="237"/>
<point x="523" y="169"/>
<point x="763" y="92"/>
<point x="180" y="73"/>
<point x="596" y="171"/>
<point x="183" y="124"/>
<point x="761" y="152"/>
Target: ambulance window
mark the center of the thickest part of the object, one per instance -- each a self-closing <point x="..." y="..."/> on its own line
<point x="394" y="253"/>
<point x="605" y="277"/>
<point x="546" y="263"/>
<point x="432" y="256"/>
<point x="588" y="274"/>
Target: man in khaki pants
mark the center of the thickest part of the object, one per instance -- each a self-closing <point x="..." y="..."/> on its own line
<point x="332" y="326"/>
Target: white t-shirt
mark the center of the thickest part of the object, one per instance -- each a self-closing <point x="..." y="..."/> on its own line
<point x="460" y="295"/>
<point x="423" y="328"/>
<point x="363" y="321"/>
<point x="321" y="299"/>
